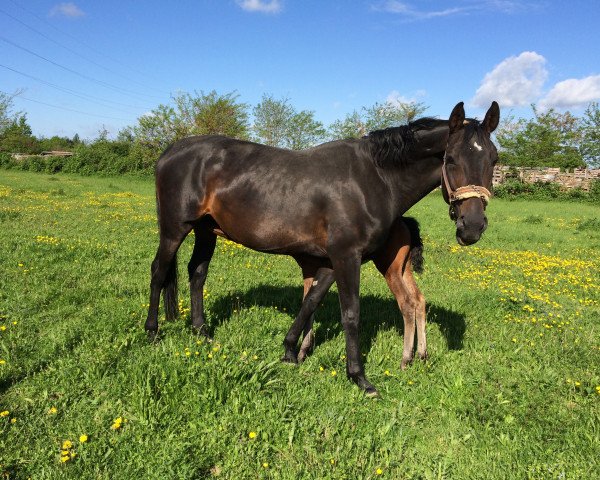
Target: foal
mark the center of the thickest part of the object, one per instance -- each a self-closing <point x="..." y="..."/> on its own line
<point x="395" y="260"/>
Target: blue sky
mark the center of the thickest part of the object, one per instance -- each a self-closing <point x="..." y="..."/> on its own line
<point x="125" y="57"/>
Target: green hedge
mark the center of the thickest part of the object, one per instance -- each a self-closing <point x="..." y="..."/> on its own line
<point x="513" y="189"/>
<point x="99" y="158"/>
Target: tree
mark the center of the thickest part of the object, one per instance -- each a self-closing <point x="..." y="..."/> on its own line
<point x="376" y="117"/>
<point x="549" y="139"/>
<point x="7" y="116"/>
<point x="17" y="137"/>
<point x="198" y="114"/>
<point x="213" y="114"/>
<point x="277" y="123"/>
<point x="590" y="136"/>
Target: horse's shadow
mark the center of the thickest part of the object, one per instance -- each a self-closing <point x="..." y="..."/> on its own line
<point x="376" y="313"/>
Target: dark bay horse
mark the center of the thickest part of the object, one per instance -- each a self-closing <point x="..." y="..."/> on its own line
<point x="335" y="206"/>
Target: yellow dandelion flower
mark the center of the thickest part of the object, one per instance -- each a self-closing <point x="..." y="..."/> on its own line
<point x="13" y="420"/>
<point x="3" y="327"/>
<point x="379" y="471"/>
<point x="52" y="411"/>
<point x="321" y="369"/>
<point x="117" y="423"/>
<point x="65" y="458"/>
<point x="266" y="465"/>
<point x="4" y="413"/>
<point x="2" y="362"/>
<point x="252" y="435"/>
<point x="333" y="373"/>
<point x="67" y="444"/>
<point x="387" y="373"/>
<point x="83" y="438"/>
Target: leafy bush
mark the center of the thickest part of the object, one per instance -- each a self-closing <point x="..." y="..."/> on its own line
<point x="513" y="189"/>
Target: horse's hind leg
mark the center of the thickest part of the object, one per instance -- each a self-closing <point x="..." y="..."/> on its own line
<point x="204" y="247"/>
<point x="164" y="276"/>
<point x="320" y="286"/>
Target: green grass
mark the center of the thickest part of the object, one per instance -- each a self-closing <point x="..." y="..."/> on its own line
<point x="510" y="390"/>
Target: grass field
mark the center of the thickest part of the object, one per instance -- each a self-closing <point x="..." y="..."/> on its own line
<point x="511" y="389"/>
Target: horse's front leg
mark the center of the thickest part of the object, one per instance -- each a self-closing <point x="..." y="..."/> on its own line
<point x="347" y="277"/>
<point x="323" y="279"/>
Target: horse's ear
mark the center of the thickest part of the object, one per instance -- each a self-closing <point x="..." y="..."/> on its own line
<point x="492" y="118"/>
<point x="457" y="117"/>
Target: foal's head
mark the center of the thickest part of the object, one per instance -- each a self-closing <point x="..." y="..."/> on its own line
<point x="468" y="169"/>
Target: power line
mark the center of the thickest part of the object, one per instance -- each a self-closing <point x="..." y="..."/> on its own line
<point x="81" y="42"/>
<point x="85" y="96"/>
<point x="71" y="109"/>
<point x="77" y="53"/>
<point x="91" y="79"/>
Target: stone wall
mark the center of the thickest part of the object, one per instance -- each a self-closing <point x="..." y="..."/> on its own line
<point x="580" y="177"/>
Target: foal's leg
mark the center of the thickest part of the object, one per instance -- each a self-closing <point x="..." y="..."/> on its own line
<point x="204" y="247"/>
<point x="419" y="305"/>
<point x="347" y="277"/>
<point x="308" y="334"/>
<point x="163" y="275"/>
<point x="320" y="285"/>
<point x="393" y="261"/>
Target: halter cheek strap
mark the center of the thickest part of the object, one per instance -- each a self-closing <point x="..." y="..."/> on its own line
<point x="462" y="193"/>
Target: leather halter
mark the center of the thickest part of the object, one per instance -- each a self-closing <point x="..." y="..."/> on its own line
<point x="462" y="193"/>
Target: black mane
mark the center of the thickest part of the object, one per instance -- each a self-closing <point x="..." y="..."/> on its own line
<point x="392" y="146"/>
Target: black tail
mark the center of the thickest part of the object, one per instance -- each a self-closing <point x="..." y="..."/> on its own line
<point x="169" y="286"/>
<point x="170" y="291"/>
<point x="416" y="244"/>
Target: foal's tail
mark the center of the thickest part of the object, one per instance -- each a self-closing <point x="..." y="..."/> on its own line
<point x="416" y="244"/>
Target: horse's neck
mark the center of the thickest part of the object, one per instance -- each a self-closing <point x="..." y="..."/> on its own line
<point x="418" y="180"/>
<point x="423" y="175"/>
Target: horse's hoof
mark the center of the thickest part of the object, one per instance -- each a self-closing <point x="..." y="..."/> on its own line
<point x="152" y="336"/>
<point x="372" y="393"/>
<point x="289" y="358"/>
<point x="202" y="331"/>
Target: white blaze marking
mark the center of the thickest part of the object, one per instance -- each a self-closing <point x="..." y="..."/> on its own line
<point x="315" y="283"/>
<point x="477" y="146"/>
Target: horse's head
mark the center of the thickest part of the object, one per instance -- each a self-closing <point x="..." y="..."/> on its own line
<point x="467" y="171"/>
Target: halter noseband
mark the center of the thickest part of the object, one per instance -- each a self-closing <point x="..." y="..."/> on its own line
<point x="462" y="193"/>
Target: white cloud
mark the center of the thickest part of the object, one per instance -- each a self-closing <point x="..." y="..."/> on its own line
<point x="263" y="6"/>
<point x="395" y="98"/>
<point x="403" y="8"/>
<point x="412" y="13"/>
<point x="514" y="82"/>
<point x="573" y="93"/>
<point x="66" y="10"/>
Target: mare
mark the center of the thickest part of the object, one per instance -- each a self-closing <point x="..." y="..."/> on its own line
<point x="334" y="206"/>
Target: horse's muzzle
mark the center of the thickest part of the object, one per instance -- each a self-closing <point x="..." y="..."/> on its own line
<point x="469" y="230"/>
